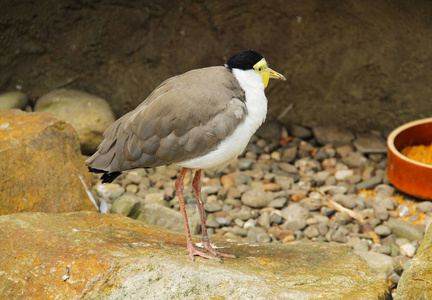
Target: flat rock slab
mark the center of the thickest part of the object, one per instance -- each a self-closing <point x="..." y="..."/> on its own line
<point x="115" y="257"/>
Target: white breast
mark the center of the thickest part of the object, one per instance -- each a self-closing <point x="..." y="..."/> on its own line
<point x="233" y="146"/>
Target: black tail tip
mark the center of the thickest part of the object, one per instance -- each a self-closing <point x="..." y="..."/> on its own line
<point x="106" y="177"/>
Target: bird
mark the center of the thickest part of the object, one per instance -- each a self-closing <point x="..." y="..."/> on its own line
<point x="200" y="120"/>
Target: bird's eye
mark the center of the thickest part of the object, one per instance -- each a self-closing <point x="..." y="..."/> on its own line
<point x="259" y="69"/>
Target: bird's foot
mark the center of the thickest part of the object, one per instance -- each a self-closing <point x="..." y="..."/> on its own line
<point x="206" y="245"/>
<point x="194" y="252"/>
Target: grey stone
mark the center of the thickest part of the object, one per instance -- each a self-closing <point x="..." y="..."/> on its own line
<point x="388" y="203"/>
<point x="155" y="198"/>
<point x="241" y="178"/>
<point x="256" y="199"/>
<point x="320" y="177"/>
<point x="373" y="222"/>
<point x="338" y="236"/>
<point x="361" y="246"/>
<point x="159" y="215"/>
<point x="245" y="163"/>
<point x="212" y="206"/>
<point x="394" y="278"/>
<point x="348" y="201"/>
<point x="322" y="228"/>
<point x="253" y="233"/>
<point x="288" y="168"/>
<point x="384" y="190"/>
<point x="13" y="100"/>
<point x="110" y="191"/>
<point x="294" y="224"/>
<point x="223" y="221"/>
<point x="355" y="160"/>
<point x="278" y="203"/>
<point x="270" y="130"/>
<point x="300" y="132"/>
<point x="381" y="212"/>
<point x="294" y="211"/>
<point x="369" y="183"/>
<point x="379" y="263"/>
<point x="289" y="154"/>
<point x="311" y="231"/>
<point x="370" y="143"/>
<point x="425" y="206"/>
<point x="407" y="250"/>
<point x="263" y="238"/>
<point x="264" y="220"/>
<point x="238" y="231"/>
<point x="135" y="176"/>
<point x="334" y="135"/>
<point x="327" y="211"/>
<point x="383" y="249"/>
<point x="211" y="189"/>
<point x="126" y="205"/>
<point x="284" y="181"/>
<point x="342" y="175"/>
<point x="321" y="154"/>
<point x="404" y="229"/>
<point x="88" y="114"/>
<point x="276" y="218"/>
<point x="382" y="230"/>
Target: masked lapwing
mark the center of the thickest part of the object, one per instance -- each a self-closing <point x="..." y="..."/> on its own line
<point x="202" y="119"/>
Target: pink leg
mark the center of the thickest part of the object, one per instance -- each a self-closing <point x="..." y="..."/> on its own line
<point x="179" y="188"/>
<point x="196" y="184"/>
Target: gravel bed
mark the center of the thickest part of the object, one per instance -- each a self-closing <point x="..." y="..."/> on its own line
<point x="278" y="191"/>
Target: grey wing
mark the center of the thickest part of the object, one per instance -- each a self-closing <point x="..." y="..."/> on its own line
<point x="175" y="123"/>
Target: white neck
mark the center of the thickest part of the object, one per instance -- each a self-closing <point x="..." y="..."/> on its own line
<point x="256" y="101"/>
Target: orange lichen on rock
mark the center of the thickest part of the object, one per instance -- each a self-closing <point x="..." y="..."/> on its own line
<point x="420" y="153"/>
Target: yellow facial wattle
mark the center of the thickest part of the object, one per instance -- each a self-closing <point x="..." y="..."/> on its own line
<point x="262" y="68"/>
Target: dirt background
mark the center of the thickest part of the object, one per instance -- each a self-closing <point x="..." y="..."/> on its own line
<point x="360" y="64"/>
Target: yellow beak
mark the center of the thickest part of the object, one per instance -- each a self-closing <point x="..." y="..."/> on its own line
<point x="276" y="75"/>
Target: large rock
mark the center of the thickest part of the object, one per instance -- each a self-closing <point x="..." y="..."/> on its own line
<point x="12" y="100"/>
<point x="89" y="115"/>
<point x="416" y="280"/>
<point x="41" y="166"/>
<point x="115" y="257"/>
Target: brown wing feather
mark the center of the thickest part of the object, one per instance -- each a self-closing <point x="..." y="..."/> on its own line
<point x="185" y="117"/>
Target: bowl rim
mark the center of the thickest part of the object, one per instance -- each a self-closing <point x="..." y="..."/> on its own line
<point x="397" y="131"/>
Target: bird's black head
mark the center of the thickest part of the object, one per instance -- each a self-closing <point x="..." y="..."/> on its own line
<point x="245" y="60"/>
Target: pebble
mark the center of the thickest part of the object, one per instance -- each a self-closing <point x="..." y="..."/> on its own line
<point x="245" y="163"/>
<point x="311" y="231"/>
<point x="110" y="191"/>
<point x="212" y="206"/>
<point x="300" y="131"/>
<point x="425" y="206"/>
<point x="382" y="230"/>
<point x="369" y="183"/>
<point x="408" y="250"/>
<point x="343" y="174"/>
<point x="404" y="229"/>
<point x="256" y="199"/>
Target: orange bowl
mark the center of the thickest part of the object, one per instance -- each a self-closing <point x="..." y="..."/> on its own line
<point x="410" y="176"/>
